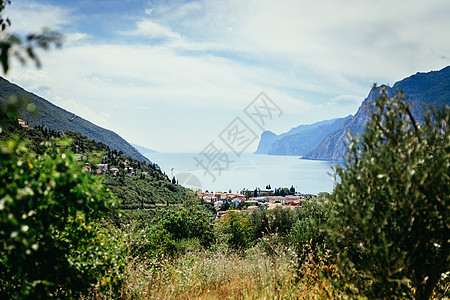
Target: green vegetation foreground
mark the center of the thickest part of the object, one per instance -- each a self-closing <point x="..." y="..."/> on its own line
<point x="383" y="233"/>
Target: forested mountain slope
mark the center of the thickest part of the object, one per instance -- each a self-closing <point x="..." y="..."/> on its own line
<point x="58" y="119"/>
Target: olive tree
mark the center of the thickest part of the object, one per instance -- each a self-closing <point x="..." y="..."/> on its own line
<point x="49" y="210"/>
<point x="390" y="226"/>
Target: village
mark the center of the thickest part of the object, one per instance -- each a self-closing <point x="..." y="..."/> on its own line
<point x="223" y="201"/>
<point x="246" y="201"/>
<point x="264" y="199"/>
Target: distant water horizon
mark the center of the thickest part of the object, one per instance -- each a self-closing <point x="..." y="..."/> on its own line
<point x="248" y="171"/>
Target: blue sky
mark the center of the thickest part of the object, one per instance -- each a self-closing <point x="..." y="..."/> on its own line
<point x="171" y="75"/>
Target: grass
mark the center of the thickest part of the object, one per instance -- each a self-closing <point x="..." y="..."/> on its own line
<point x="218" y="273"/>
<point x="268" y="270"/>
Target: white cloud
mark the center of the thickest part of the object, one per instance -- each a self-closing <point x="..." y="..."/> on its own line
<point x="195" y="66"/>
<point x="76" y="37"/>
<point x="154" y="30"/>
<point x="187" y="9"/>
<point x="161" y="80"/>
<point x="27" y="16"/>
<point x="351" y="39"/>
<point x="106" y="115"/>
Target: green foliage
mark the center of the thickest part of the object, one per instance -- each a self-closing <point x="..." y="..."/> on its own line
<point x="135" y="192"/>
<point x="235" y="229"/>
<point x="48" y="212"/>
<point x="143" y="188"/>
<point x="306" y="233"/>
<point x="10" y="109"/>
<point x="284" y="191"/>
<point x="35" y="140"/>
<point x="114" y="249"/>
<point x="278" y="220"/>
<point x="147" y="241"/>
<point x="164" y="233"/>
<point x="187" y="222"/>
<point x="81" y="143"/>
<point x="390" y="226"/>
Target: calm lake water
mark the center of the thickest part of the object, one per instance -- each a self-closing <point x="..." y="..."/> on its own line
<point x="248" y="171"/>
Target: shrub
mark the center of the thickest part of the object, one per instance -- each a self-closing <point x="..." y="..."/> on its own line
<point x="307" y="229"/>
<point x="235" y="229"/>
<point x="390" y="228"/>
<point x="48" y="210"/>
<point x="188" y="221"/>
<point x="278" y="221"/>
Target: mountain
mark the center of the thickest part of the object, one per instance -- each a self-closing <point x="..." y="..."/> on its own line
<point x="421" y="89"/>
<point x="332" y="146"/>
<point x="58" y="119"/>
<point x="143" y="150"/>
<point x="266" y="141"/>
<point x="299" y="140"/>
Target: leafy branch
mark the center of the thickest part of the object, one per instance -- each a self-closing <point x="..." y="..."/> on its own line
<point x="11" y="45"/>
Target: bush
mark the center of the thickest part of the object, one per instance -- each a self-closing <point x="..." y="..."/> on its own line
<point x="188" y="221"/>
<point x="306" y="233"/>
<point x="235" y="230"/>
<point x="278" y="221"/>
<point x="48" y="213"/>
<point x="390" y="228"/>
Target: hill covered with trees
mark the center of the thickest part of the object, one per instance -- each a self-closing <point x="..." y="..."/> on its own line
<point x="135" y="183"/>
<point x="58" y="119"/>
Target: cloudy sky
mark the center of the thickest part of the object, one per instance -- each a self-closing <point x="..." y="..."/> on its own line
<point x="171" y="75"/>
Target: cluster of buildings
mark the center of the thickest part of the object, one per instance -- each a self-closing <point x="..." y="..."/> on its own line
<point x="288" y="200"/>
<point x="103" y="169"/>
<point x="254" y="203"/>
<point x="218" y="196"/>
<point x="272" y="202"/>
<point x="99" y="169"/>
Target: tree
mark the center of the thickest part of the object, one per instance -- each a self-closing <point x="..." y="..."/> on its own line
<point x="49" y="207"/>
<point x="277" y="221"/>
<point x="235" y="229"/>
<point x="48" y="213"/>
<point x="389" y="229"/>
<point x="188" y="221"/>
<point x="306" y="235"/>
<point x="292" y="190"/>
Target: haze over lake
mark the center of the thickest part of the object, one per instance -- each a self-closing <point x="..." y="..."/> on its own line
<point x="250" y="171"/>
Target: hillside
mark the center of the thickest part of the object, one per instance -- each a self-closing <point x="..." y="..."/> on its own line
<point x="58" y="119"/>
<point x="133" y="182"/>
<point x="421" y="89"/>
<point x="299" y="140"/>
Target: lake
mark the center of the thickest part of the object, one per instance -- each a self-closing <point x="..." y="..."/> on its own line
<point x="247" y="171"/>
